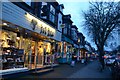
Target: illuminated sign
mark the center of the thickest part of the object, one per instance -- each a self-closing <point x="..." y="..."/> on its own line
<point x="45" y="28"/>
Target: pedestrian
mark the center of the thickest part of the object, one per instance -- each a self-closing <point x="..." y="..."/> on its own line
<point x="73" y="60"/>
<point x="86" y="60"/>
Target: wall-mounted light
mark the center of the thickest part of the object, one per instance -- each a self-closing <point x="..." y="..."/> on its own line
<point x="5" y="24"/>
<point x="18" y="36"/>
<point x="78" y="40"/>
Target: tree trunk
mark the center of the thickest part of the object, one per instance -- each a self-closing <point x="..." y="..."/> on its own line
<point x="101" y="57"/>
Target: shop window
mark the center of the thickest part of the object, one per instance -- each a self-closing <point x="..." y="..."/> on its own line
<point x="44" y="10"/>
<point x="65" y="31"/>
<point x="26" y="45"/>
<point x="12" y="56"/>
<point x="9" y="39"/>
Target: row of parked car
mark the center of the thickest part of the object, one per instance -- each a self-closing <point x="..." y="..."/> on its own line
<point x="113" y="62"/>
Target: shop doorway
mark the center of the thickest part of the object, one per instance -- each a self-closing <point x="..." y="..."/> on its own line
<point x="40" y="55"/>
<point x="44" y="54"/>
<point x="29" y="58"/>
<point x="33" y="62"/>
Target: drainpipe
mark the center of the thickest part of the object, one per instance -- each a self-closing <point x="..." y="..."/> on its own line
<point x="36" y="54"/>
<point x="62" y="48"/>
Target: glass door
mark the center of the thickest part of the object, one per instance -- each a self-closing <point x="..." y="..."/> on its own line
<point x="40" y="55"/>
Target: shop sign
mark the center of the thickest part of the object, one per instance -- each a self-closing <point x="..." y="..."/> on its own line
<point x="33" y="24"/>
<point x="45" y="28"/>
<point x="46" y="32"/>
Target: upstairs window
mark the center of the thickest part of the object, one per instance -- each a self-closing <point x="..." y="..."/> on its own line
<point x="44" y="10"/>
<point x="52" y="9"/>
<point x="52" y="14"/>
<point x="28" y="2"/>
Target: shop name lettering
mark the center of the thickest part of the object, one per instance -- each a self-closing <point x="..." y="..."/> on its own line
<point x="44" y="31"/>
<point x="33" y="24"/>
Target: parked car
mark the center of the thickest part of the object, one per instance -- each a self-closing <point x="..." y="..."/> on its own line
<point x="110" y="60"/>
<point x="116" y="70"/>
<point x="118" y="56"/>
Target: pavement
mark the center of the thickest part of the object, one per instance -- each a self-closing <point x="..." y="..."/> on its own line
<point x="79" y="71"/>
<point x="92" y="71"/>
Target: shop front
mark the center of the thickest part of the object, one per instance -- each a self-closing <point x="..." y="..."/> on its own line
<point x="67" y="50"/>
<point x="35" y="40"/>
<point x="36" y="50"/>
<point x="12" y="56"/>
<point x="83" y="54"/>
<point x="24" y="48"/>
<point x="56" y="51"/>
<point x="76" y="52"/>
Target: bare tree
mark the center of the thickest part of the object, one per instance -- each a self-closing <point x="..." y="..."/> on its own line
<point x="100" y="20"/>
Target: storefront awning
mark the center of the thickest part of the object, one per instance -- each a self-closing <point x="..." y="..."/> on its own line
<point x="64" y="38"/>
<point x="84" y="49"/>
<point x="75" y="45"/>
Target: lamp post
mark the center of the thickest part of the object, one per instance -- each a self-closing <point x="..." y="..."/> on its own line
<point x="78" y="49"/>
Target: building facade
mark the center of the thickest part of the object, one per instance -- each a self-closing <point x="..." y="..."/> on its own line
<point x="27" y="39"/>
<point x="74" y="36"/>
<point x="37" y="34"/>
<point x="66" y="40"/>
<point x="82" y="49"/>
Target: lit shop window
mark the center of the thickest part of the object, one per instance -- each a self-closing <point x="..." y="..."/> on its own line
<point x="28" y="2"/>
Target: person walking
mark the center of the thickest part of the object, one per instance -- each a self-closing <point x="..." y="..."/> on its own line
<point x="73" y="60"/>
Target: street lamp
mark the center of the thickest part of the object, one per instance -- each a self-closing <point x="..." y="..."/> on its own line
<point x="78" y="49"/>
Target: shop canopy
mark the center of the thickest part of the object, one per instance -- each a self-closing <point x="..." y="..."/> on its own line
<point x="64" y="38"/>
<point x="84" y="49"/>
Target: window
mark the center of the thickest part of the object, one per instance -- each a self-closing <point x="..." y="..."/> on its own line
<point x="52" y="9"/>
<point x="65" y="31"/>
<point x="52" y="14"/>
<point x="69" y="30"/>
<point x="28" y="2"/>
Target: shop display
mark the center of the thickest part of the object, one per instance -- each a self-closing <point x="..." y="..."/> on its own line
<point x="12" y="58"/>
